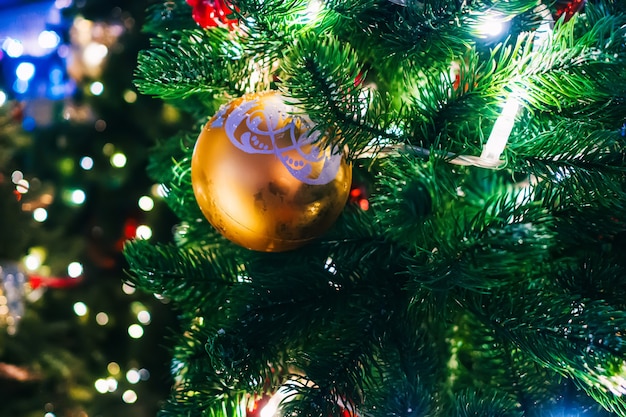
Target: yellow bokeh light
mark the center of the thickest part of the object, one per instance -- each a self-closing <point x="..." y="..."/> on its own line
<point x="113" y="368"/>
<point x="102" y="318"/>
<point x="130" y="96"/>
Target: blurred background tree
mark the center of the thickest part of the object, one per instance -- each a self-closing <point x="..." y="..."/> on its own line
<point x="75" y="339"/>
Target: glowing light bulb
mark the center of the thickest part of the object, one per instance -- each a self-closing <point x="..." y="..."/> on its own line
<point x="113" y="368"/>
<point x="94" y="54"/>
<point x="40" y="214"/>
<point x="146" y="203"/>
<point x="111" y="384"/>
<point x="313" y="10"/>
<point x="102" y="318"/>
<point x="129" y="396"/>
<point x="96" y="88"/>
<point x="101" y="385"/>
<point x="48" y="39"/>
<point x="144" y="317"/>
<point x="118" y="160"/>
<point x="33" y="261"/>
<point x="132" y="376"/>
<point x="62" y="4"/>
<point x="502" y="128"/>
<point x="80" y="308"/>
<point x="128" y="289"/>
<point x="130" y="96"/>
<point x="75" y="269"/>
<point x="78" y="197"/>
<point x="159" y="190"/>
<point x="13" y="47"/>
<point x="135" y="331"/>
<point x="501" y="131"/>
<point x="22" y="186"/>
<point x="25" y="71"/>
<point x="492" y="25"/>
<point x="143" y="232"/>
<point x="17" y="176"/>
<point x="86" y="163"/>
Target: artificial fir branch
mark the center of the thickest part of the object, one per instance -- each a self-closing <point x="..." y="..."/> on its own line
<point x="193" y="62"/>
<point x="598" y="276"/>
<point x="167" y="151"/>
<point x="323" y="74"/>
<point x="572" y="72"/>
<point x="165" y="269"/>
<point x="167" y="15"/>
<point x="556" y="336"/>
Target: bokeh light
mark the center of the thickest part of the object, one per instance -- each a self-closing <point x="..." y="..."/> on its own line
<point x="78" y="197"/>
<point x="146" y="203"/>
<point x="144" y="232"/>
<point x="48" y="39"/>
<point x="75" y="269"/>
<point x="111" y="384"/>
<point x="128" y="289"/>
<point x="25" y="71"/>
<point x="94" y="54"/>
<point x="118" y="160"/>
<point x="13" y="47"/>
<point x="132" y="376"/>
<point x="144" y="317"/>
<point x="129" y="396"/>
<point x="102" y="318"/>
<point x="80" y="309"/>
<point x="86" y="163"/>
<point x="102" y="386"/>
<point x="130" y="96"/>
<point x="40" y="214"/>
<point x="135" y="331"/>
<point x="32" y="261"/>
<point x="492" y="25"/>
<point x="113" y="368"/>
<point x="96" y="88"/>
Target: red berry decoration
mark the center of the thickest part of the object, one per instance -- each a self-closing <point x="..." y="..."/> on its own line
<point x="568" y="8"/>
<point x="211" y="13"/>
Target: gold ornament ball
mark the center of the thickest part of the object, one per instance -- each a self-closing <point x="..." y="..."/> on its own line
<point x="259" y="179"/>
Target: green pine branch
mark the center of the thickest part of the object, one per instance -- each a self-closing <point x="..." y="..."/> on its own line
<point x="208" y="63"/>
<point x="168" y="15"/>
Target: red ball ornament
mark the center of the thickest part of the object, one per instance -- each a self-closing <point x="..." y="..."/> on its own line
<point x="211" y="13"/>
<point x="568" y="8"/>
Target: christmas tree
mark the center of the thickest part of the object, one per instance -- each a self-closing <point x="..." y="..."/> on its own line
<point x="476" y="152"/>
